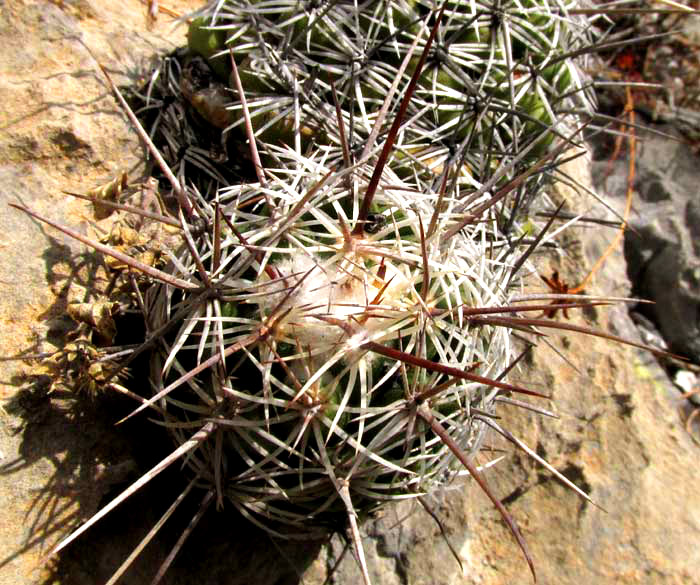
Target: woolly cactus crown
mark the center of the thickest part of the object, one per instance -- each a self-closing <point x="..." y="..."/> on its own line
<point x="319" y="312"/>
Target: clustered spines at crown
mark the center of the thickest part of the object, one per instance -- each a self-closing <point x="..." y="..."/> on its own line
<point x="494" y="80"/>
<point x="332" y="300"/>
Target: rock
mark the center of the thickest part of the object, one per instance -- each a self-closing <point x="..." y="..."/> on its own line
<point x="689" y="383"/>
<point x="663" y="246"/>
<point x="61" y="130"/>
<point x="618" y="436"/>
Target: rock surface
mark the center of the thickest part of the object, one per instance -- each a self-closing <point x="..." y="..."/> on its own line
<point x="663" y="247"/>
<point x="59" y="130"/>
<point x="618" y="435"/>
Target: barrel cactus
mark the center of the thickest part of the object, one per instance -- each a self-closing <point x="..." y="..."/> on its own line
<point x="341" y="334"/>
<point x="336" y="335"/>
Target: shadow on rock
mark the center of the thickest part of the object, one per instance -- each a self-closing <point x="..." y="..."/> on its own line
<point x="85" y="460"/>
<point x="91" y="461"/>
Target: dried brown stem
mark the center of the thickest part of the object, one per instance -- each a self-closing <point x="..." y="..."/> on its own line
<point x="128" y="208"/>
<point x="135" y="264"/>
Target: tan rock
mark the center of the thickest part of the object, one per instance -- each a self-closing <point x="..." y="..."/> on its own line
<point x="59" y="130"/>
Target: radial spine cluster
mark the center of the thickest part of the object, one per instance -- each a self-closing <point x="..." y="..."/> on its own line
<point x="310" y="403"/>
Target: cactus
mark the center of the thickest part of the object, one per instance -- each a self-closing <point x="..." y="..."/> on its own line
<point x="495" y="78"/>
<point x="319" y="313"/>
<point x="334" y="336"/>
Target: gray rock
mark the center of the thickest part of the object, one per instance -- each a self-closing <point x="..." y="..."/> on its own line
<point x="663" y="246"/>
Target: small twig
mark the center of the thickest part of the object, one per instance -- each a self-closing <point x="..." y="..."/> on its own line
<point x="629" y="109"/>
